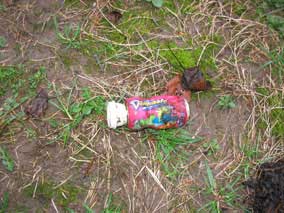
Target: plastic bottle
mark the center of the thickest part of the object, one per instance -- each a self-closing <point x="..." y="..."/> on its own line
<point x="158" y="112"/>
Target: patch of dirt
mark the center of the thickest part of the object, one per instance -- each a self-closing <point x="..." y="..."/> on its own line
<point x="122" y="166"/>
<point x="136" y="175"/>
<point x="35" y="159"/>
<point x="208" y="121"/>
<point x="35" y="162"/>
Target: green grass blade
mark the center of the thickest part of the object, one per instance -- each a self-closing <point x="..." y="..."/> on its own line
<point x="5" y="203"/>
<point x="7" y="161"/>
<point x="211" y="179"/>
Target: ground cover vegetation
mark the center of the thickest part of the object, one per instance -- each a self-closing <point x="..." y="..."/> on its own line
<point x="61" y="61"/>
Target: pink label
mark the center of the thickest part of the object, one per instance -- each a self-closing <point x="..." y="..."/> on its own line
<point x="159" y="112"/>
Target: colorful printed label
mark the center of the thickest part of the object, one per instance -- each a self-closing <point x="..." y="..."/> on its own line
<point x="159" y="112"/>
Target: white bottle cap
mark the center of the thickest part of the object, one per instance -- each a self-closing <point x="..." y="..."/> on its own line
<point x="116" y="114"/>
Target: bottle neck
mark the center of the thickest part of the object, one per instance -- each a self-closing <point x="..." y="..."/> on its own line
<point x="116" y="114"/>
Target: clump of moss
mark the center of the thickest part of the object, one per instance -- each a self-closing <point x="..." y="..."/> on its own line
<point x="187" y="57"/>
<point x="132" y="24"/>
<point x="62" y="195"/>
<point x="67" y="61"/>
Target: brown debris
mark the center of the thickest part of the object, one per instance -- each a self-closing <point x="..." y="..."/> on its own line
<point x="174" y="87"/>
<point x="38" y="105"/>
<point x="114" y="16"/>
<point x="191" y="80"/>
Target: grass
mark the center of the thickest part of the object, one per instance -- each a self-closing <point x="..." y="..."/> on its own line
<point x="4" y="204"/>
<point x="226" y="102"/>
<point x="3" y="40"/>
<point x="63" y="195"/>
<point x="111" y="207"/>
<point x="277" y="62"/>
<point x="37" y="77"/>
<point x="69" y="37"/>
<point x="227" y="194"/>
<point x="251" y="153"/>
<point x="2" y="7"/>
<point x="212" y="147"/>
<point x="156" y="3"/>
<point x="271" y="116"/>
<point x="132" y="27"/>
<point x="169" y="146"/>
<point x="77" y="111"/>
<point x="271" y="120"/>
<point x="14" y="77"/>
<point x="276" y="23"/>
<point x="76" y="3"/>
<point x="6" y="159"/>
<point x="93" y="60"/>
<point x="17" y="86"/>
<point x="270" y="11"/>
<point x="9" y="75"/>
<point x="188" y="56"/>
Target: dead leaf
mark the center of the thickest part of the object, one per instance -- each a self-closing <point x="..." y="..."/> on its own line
<point x="38" y="105"/>
<point x="193" y="79"/>
<point x="174" y="87"/>
<point x="114" y="16"/>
